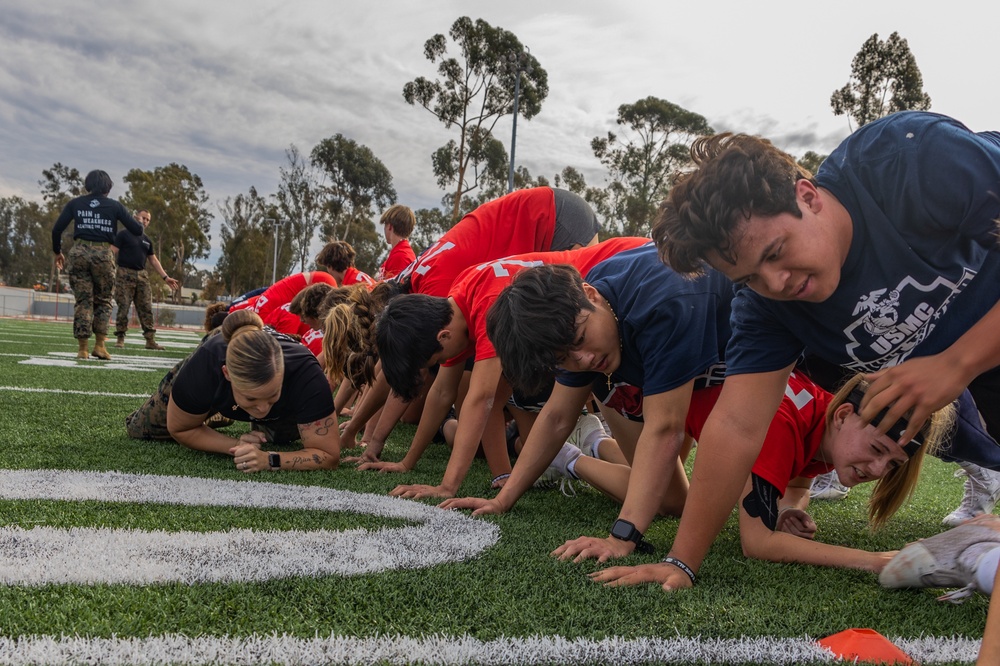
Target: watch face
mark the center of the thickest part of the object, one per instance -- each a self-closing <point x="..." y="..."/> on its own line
<point x="624" y="530"/>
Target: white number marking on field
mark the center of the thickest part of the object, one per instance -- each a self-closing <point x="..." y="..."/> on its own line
<point x="84" y="555"/>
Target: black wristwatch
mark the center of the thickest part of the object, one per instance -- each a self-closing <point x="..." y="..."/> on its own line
<point x="625" y="531"/>
<point x="274" y="460"/>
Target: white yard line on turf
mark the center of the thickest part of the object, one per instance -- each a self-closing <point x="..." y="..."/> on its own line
<point x="257" y="648"/>
<point x="102" y="394"/>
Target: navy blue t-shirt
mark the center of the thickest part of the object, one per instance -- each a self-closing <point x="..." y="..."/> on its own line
<point x="923" y="193"/>
<point x="672" y="329"/>
<point x="133" y="250"/>
<point x="201" y="388"/>
<point x="95" y="218"/>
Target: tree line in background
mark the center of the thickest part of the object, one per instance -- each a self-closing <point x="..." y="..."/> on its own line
<point x="339" y="188"/>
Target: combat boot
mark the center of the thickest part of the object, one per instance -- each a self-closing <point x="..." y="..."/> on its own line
<point x="151" y="343"/>
<point x="120" y="343"/>
<point x="83" y="353"/>
<point x="100" y="351"/>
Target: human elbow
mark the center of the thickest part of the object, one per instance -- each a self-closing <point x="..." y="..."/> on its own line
<point x="755" y="550"/>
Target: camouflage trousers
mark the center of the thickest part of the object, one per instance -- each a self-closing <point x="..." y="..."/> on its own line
<point x="150" y="420"/>
<point x="91" y="269"/>
<point x="132" y="286"/>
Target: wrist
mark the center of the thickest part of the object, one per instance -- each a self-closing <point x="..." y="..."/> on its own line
<point x="626" y="531"/>
<point x="673" y="561"/>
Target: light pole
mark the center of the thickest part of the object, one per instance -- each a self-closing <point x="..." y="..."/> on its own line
<point x="519" y="63"/>
<point x="274" y="265"/>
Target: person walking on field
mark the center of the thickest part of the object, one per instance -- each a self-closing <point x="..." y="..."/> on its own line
<point x="91" y="264"/>
<point x="132" y="281"/>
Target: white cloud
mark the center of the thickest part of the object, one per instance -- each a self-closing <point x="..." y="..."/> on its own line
<point x="224" y="88"/>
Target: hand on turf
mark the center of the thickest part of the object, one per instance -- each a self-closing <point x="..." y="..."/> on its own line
<point x="363" y="458"/>
<point x="348" y="436"/>
<point x="418" y="491"/>
<point x="924" y="384"/>
<point x="385" y="466"/>
<point x="479" y="505"/>
<point x="586" y="547"/>
<point x="637" y="575"/>
<point x="248" y="457"/>
<point x="797" y="522"/>
<point x="253" y="438"/>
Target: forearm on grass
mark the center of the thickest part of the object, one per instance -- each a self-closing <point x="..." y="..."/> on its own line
<point x="729" y="445"/>
<point x="440" y="399"/>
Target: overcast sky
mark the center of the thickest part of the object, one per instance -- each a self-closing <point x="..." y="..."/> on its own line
<point x="225" y="86"/>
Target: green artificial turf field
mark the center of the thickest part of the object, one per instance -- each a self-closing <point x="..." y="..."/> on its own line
<point x="506" y="601"/>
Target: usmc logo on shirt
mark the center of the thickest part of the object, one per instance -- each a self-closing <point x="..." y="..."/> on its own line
<point x="891" y="322"/>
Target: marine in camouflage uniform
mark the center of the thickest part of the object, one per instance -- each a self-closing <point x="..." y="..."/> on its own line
<point x="132" y="286"/>
<point x="132" y="282"/>
<point x="91" y="267"/>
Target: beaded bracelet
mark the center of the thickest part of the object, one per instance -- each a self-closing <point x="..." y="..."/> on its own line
<point x="680" y="565"/>
<point x="498" y="477"/>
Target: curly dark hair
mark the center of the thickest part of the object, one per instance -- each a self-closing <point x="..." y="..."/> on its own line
<point x="215" y="313"/>
<point x="308" y="302"/>
<point x="406" y="334"/>
<point x="735" y="176"/>
<point x="532" y="324"/>
<point x="338" y="256"/>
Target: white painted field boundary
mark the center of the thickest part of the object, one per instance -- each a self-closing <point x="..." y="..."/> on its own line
<point x="445" y="650"/>
<point x="117" y="362"/>
<point x="100" y="394"/>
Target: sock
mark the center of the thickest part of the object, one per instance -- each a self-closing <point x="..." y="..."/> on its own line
<point x="591" y="442"/>
<point x="571" y="468"/>
<point x="986" y="570"/>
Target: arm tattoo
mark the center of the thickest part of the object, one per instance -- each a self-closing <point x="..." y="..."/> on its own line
<point x="324" y="427"/>
<point x="301" y="460"/>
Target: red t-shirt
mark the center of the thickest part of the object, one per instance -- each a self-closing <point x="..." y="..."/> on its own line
<point x="248" y="304"/>
<point x="793" y="437"/>
<point x="283" y="321"/>
<point x="520" y="222"/>
<point x="353" y="276"/>
<point x="400" y="256"/>
<point x="477" y="288"/>
<point x="284" y="290"/>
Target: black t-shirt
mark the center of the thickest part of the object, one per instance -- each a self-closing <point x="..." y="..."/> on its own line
<point x="96" y="218"/>
<point x="201" y="388"/>
<point x="133" y="250"/>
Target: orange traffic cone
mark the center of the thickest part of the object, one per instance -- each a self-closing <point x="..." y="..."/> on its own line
<point x="866" y="646"/>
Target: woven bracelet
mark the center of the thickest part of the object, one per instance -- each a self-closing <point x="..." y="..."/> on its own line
<point x="680" y="565"/>
<point x="499" y="477"/>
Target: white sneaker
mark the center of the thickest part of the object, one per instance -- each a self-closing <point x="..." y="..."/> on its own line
<point x="558" y="472"/>
<point x="828" y="487"/>
<point x="948" y="559"/>
<point x="586" y="426"/>
<point x="982" y="490"/>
